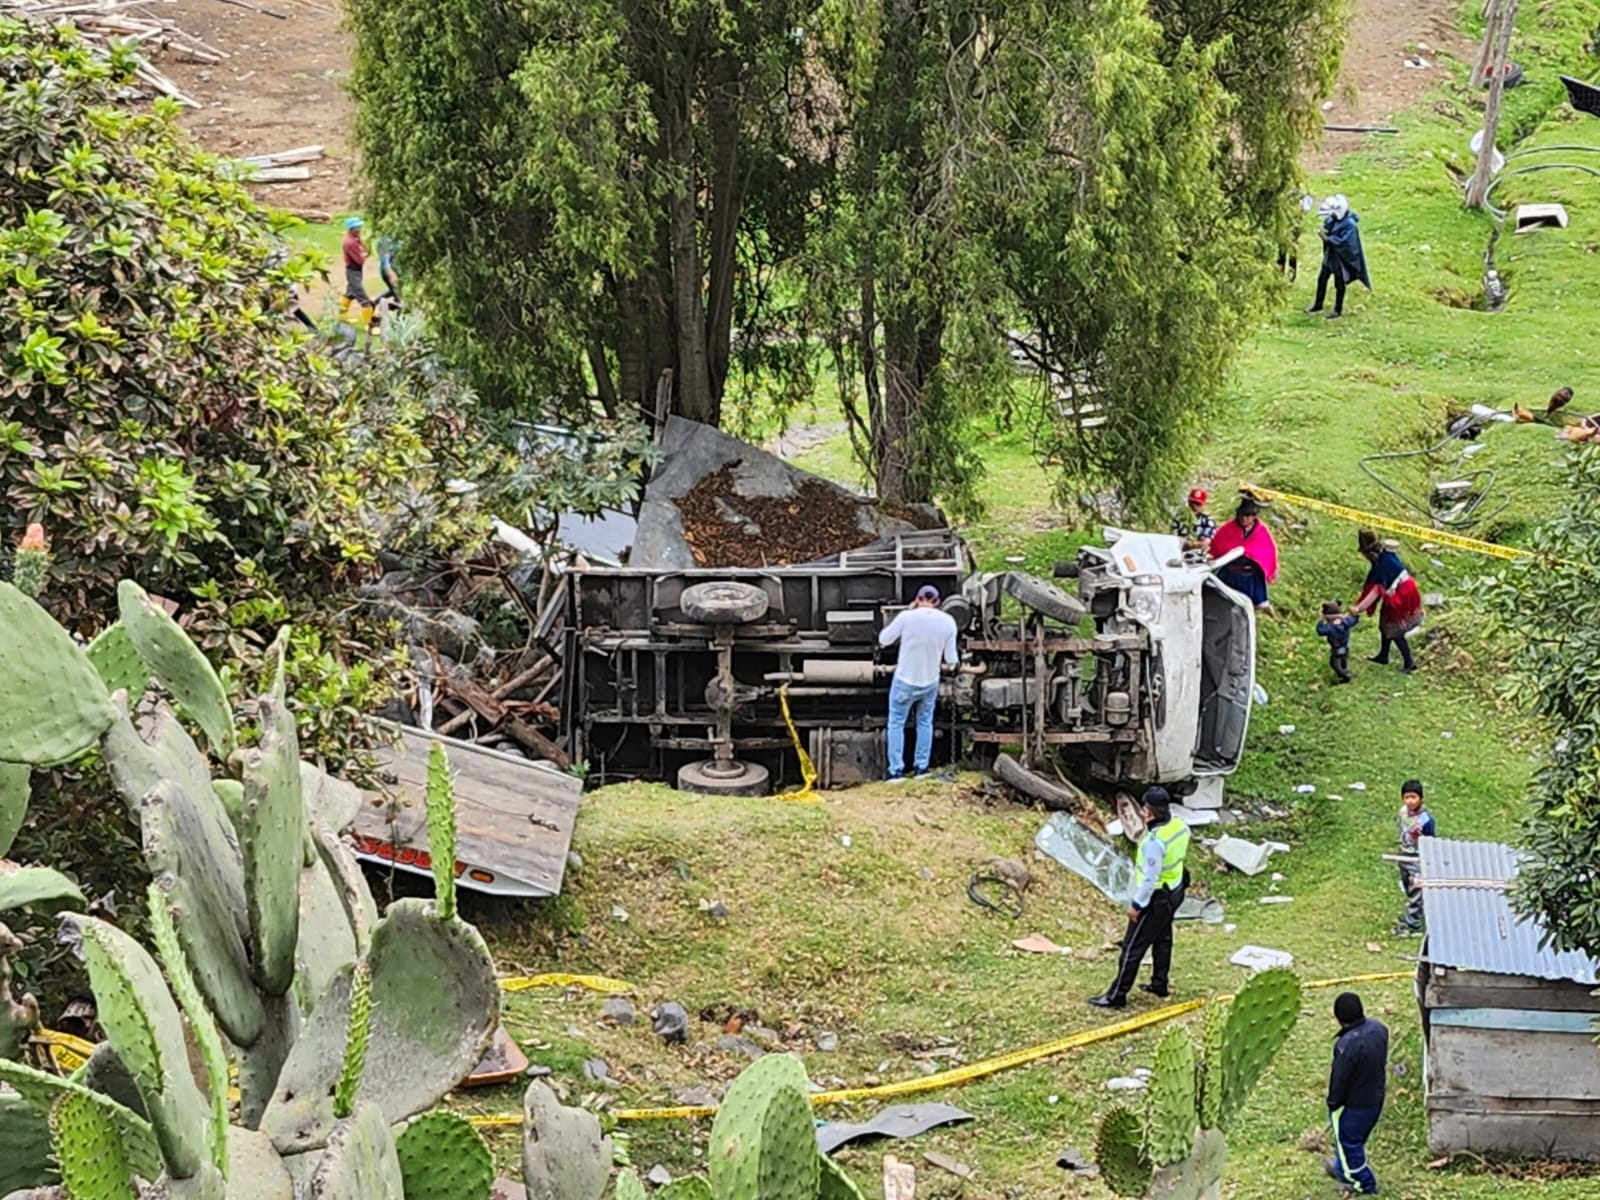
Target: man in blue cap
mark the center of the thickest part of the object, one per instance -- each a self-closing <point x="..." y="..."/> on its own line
<point x="1163" y="880"/>
<point x="355" y="261"/>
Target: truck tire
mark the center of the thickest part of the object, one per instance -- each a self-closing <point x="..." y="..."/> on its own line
<point x="1045" y="598"/>
<point x="723" y="603"/>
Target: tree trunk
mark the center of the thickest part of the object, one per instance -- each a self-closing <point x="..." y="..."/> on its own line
<point x="1483" y="173"/>
<point x="1492" y="11"/>
<point x="695" y="398"/>
<point x="726" y="201"/>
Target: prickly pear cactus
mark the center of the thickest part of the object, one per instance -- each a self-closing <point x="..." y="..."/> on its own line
<point x="25" y="887"/>
<point x="28" y="1161"/>
<point x="1198" y="1176"/>
<point x="1170" y="1118"/>
<point x="178" y="665"/>
<point x="832" y="1183"/>
<point x="16" y="786"/>
<point x="57" y="708"/>
<point x="442" y="831"/>
<point x="114" y="658"/>
<point x="360" y="1163"/>
<point x="564" y="1156"/>
<point x="1119" y="1153"/>
<point x="692" y="1187"/>
<point x="1258" y="1024"/>
<point x="30" y="570"/>
<point x="443" y="1158"/>
<point x="356" y="1040"/>
<point x="94" y="1165"/>
<point x="629" y="1186"/>
<point x="1208" y="1076"/>
<point x="763" y="1140"/>
<point x="40" y="1090"/>
<point x="143" y="1025"/>
<point x="273" y="830"/>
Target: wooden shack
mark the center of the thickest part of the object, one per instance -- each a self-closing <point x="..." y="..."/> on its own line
<point x="1510" y="1063"/>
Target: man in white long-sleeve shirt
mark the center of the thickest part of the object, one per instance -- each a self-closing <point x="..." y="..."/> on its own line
<point x="927" y="638"/>
<point x="1163" y="879"/>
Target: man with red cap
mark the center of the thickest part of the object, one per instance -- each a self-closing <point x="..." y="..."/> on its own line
<point x="1196" y="527"/>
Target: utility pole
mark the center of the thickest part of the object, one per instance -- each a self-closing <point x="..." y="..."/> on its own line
<point x="1501" y="17"/>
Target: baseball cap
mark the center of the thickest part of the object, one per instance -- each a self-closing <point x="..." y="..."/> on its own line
<point x="927" y="592"/>
<point x="1198" y="496"/>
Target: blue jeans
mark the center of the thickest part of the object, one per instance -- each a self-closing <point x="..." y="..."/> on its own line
<point x="1351" y="1129"/>
<point x="902" y="699"/>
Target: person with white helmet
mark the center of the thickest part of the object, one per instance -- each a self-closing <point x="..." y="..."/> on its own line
<point x="1342" y="257"/>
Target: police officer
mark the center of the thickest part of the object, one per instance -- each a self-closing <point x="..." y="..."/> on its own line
<point x="1163" y="879"/>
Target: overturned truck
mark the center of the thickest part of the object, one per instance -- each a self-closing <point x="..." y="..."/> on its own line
<point x="716" y="678"/>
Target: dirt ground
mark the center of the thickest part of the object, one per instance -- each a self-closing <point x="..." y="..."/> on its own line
<point x="282" y="86"/>
<point x="1374" y="81"/>
<point x="283" y="83"/>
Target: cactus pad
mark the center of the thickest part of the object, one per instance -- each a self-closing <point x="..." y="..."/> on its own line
<point x="564" y="1156"/>
<point x="750" y="1155"/>
<point x="143" y="1025"/>
<point x="26" y="886"/>
<point x="360" y="1163"/>
<point x="40" y="1090"/>
<point x="1259" y="1021"/>
<point x="330" y="801"/>
<point x="443" y="1158"/>
<point x="104" y="1073"/>
<point x="201" y="877"/>
<point x="357" y="1038"/>
<point x="435" y="1005"/>
<point x="442" y="831"/>
<point x="255" y="1171"/>
<point x="327" y="941"/>
<point x="1170" y="1120"/>
<point x="1208" y="1076"/>
<point x="57" y="707"/>
<point x="1196" y="1177"/>
<point x="178" y="665"/>
<point x="273" y="828"/>
<point x="1119" y="1153"/>
<point x="629" y="1186"/>
<point x="118" y="664"/>
<point x="693" y="1187"/>
<point x="93" y="1164"/>
<point x="16" y="788"/>
<point x="834" y="1184"/>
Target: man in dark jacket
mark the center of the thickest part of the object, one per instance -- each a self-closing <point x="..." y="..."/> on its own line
<point x="1342" y="258"/>
<point x="1355" y="1093"/>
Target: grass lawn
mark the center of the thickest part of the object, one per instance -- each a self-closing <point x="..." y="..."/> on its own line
<point x="851" y="915"/>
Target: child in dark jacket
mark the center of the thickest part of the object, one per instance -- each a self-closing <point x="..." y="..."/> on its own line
<point x="1336" y="625"/>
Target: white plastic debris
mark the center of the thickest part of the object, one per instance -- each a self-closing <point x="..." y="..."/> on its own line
<point x="1258" y="694"/>
<point x="1305" y="789"/>
<point x="1143" y="1072"/>
<point x="1114" y="829"/>
<point x="1358" y="786"/>
<point x="1241" y="855"/>
<point x="1286" y="730"/>
<point x="1277" y="847"/>
<point x="844" y="840"/>
<point x="1334" y="796"/>
<point x="1277" y="877"/>
<point x="1052" y="1100"/>
<point x="1229" y="927"/>
<point x="1276" y="900"/>
<point x="1191" y="816"/>
<point x="1260" y="958"/>
<point x="1447" y="735"/>
<point x="618" y="912"/>
<point x="1126" y="1083"/>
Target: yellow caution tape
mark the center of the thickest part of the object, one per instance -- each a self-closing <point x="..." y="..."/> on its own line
<point x="1438" y="536"/>
<point x="594" y="983"/>
<point x="67" y="1052"/>
<point x="977" y="1070"/>
<point x="808" y="770"/>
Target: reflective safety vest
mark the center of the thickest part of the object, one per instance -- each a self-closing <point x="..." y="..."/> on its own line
<point x="1174" y="839"/>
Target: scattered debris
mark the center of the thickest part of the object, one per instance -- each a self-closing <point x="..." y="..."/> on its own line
<point x="844" y="840"/>
<point x="1205" y="909"/>
<point x="618" y="1011"/>
<point x="619" y="913"/>
<point x="1374" y="948"/>
<point x="945" y="1163"/>
<point x="1277" y="877"/>
<point x="1248" y="857"/>
<point x="1357" y="786"/>
<point x="1314" y="1141"/>
<point x="597" y="1069"/>
<point x="1286" y="730"/>
<point x="1052" y="793"/>
<point x="1037" y="943"/>
<point x="1276" y="900"/>
<point x="538" y="1071"/>
<point x="899" y="1179"/>
<point x="1305" y="789"/>
<point x="826" y="1041"/>
<point x="1087" y="854"/>
<point x="574" y="861"/>
<point x="502" y="1062"/>
<point x="1260" y="958"/>
<point x="1277" y="847"/>
<point x="1194" y="816"/>
<point x="698" y="1096"/>
<point x="1536" y="216"/>
<point x="715" y="909"/>
<point x="898" y="1121"/>
<point x="1417" y="63"/>
<point x="925" y="874"/>
<point x="658" y="1175"/>
<point x="671" y="1022"/>
<point x="1127" y="1083"/>
<point x="1013" y="873"/>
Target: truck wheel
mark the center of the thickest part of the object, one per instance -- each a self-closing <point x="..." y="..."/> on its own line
<point x="1044" y="598"/>
<point x="723" y="603"/>
<point x="712" y="778"/>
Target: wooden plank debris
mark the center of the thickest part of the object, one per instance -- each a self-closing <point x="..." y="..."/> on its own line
<point x="125" y="20"/>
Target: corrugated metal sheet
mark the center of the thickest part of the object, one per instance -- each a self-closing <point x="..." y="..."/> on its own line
<point x="1471" y="925"/>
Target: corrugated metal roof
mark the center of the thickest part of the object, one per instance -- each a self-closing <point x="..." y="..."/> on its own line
<point x="1471" y="925"/>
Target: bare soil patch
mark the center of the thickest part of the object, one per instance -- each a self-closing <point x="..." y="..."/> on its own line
<point x="1375" y="85"/>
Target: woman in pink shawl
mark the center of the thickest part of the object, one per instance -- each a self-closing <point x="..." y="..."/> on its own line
<point x="1250" y="573"/>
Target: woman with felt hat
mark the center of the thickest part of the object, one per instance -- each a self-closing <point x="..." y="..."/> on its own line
<point x="1252" y="571"/>
<point x="1390" y="586"/>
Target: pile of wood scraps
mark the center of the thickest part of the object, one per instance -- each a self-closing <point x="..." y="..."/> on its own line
<point x="286" y="166"/>
<point x="484" y="639"/>
<point x="125" y="20"/>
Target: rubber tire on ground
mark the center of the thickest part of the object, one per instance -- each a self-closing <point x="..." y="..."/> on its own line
<point x="701" y="777"/>
<point x="723" y="602"/>
<point x="1033" y="592"/>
